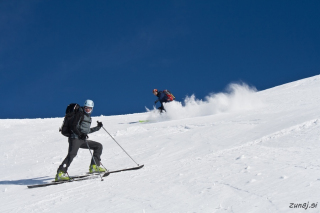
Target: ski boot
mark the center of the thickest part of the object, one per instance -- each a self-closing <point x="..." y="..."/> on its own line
<point x="62" y="176"/>
<point x="95" y="169"/>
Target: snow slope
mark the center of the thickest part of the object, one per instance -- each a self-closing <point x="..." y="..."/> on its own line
<point x="260" y="155"/>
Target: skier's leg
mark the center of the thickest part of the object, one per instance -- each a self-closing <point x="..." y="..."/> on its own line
<point x="74" y="145"/>
<point x="97" y="150"/>
<point x="162" y="108"/>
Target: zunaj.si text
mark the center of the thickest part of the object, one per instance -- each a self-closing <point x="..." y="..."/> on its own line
<point x="303" y="205"/>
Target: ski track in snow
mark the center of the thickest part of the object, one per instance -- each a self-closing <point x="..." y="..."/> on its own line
<point x="251" y="160"/>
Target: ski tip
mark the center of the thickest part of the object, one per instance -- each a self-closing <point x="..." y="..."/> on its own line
<point x="106" y="174"/>
<point x="139" y="166"/>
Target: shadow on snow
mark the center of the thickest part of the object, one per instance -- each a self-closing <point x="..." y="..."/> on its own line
<point x="31" y="181"/>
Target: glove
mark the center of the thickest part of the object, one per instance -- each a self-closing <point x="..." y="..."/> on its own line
<point x="100" y="124"/>
<point x="83" y="136"/>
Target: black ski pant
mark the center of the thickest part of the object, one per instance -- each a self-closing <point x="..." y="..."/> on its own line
<point x="161" y="108"/>
<point x="74" y="145"/>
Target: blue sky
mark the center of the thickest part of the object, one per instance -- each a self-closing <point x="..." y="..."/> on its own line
<point x="53" y="53"/>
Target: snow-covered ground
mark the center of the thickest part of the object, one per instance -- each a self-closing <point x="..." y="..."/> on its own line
<point x="241" y="151"/>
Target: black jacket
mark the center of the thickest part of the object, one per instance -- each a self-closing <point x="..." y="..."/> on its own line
<point x="81" y="124"/>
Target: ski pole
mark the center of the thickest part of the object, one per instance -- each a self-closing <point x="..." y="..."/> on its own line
<point x="119" y="145"/>
<point x="94" y="159"/>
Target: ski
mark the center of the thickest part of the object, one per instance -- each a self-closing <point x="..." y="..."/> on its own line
<point x="122" y="170"/>
<point x="73" y="178"/>
<point x="143" y="121"/>
<point x="84" y="177"/>
<point x="104" y="174"/>
<point x="127" y="169"/>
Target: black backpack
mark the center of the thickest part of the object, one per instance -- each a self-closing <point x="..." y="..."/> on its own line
<point x="71" y="111"/>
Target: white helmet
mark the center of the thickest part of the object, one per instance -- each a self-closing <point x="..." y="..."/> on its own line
<point x="88" y="103"/>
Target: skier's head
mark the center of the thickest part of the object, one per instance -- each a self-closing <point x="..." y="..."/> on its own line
<point x="155" y="91"/>
<point x="88" y="106"/>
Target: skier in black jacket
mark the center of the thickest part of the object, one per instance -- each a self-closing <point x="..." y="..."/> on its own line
<point x="78" y="139"/>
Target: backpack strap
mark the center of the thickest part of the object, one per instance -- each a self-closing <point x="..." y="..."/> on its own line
<point x="82" y="117"/>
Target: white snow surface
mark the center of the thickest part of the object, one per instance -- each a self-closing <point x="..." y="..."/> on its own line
<point x="239" y="151"/>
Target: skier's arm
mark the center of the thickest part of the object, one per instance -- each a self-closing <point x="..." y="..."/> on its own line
<point x="98" y="127"/>
<point x="94" y="129"/>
